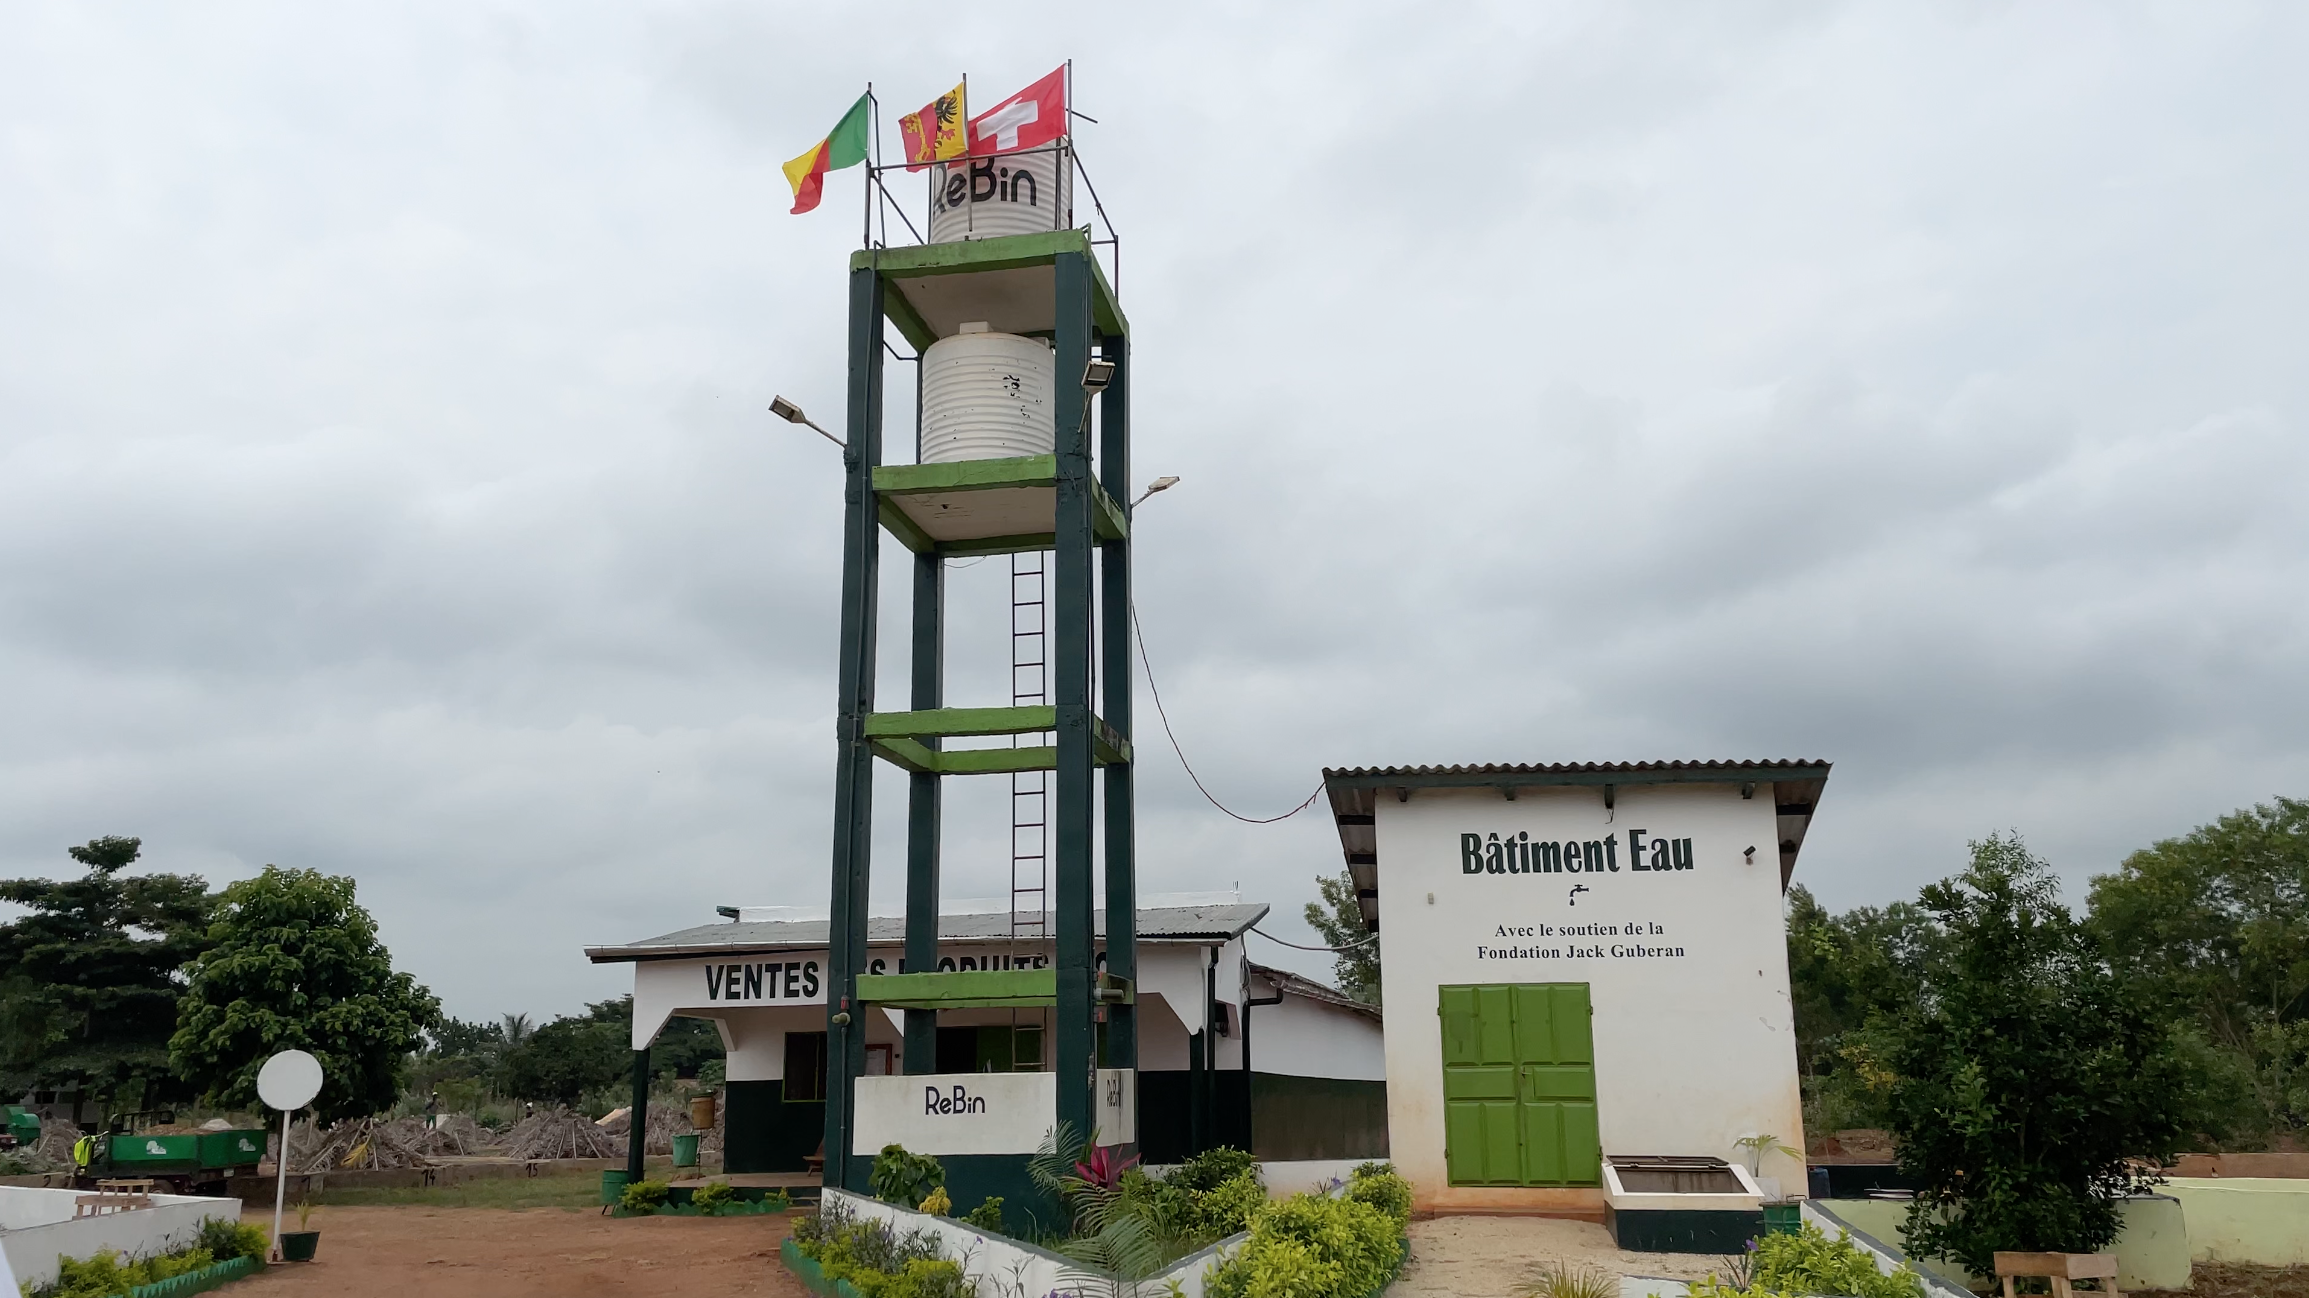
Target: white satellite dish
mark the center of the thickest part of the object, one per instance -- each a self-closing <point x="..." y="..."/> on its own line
<point x="289" y="1080"/>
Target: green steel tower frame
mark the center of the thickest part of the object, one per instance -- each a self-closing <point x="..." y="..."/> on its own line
<point x="1047" y="284"/>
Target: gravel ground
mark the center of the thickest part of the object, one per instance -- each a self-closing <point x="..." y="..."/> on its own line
<point x="1492" y="1257"/>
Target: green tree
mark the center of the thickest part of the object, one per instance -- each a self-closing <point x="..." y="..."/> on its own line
<point x="562" y="1060"/>
<point x="295" y="963"/>
<point x="1339" y="919"/>
<point x="88" y="978"/>
<point x="576" y="1055"/>
<point x="1845" y="973"/>
<point x="2218" y="921"/>
<point x="2028" y="1074"/>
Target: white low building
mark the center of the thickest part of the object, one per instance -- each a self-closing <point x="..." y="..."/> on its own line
<point x="1587" y="963"/>
<point x="1230" y="1052"/>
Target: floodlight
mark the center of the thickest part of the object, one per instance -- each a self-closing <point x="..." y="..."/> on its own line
<point x="1097" y="374"/>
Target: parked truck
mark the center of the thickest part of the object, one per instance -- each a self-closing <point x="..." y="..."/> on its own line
<point x="184" y="1162"/>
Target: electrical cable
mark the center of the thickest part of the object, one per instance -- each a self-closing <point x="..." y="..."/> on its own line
<point x="1148" y="671"/>
<point x="1351" y="946"/>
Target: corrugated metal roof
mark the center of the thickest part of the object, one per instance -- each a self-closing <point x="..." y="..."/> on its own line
<point x="1287" y="983"/>
<point x="1161" y="923"/>
<point x="1566" y="768"/>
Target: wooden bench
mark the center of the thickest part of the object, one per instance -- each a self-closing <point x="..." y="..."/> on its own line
<point x="2060" y="1268"/>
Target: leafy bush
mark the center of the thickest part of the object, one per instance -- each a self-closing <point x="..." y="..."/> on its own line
<point x="988" y="1215"/>
<point x="877" y="1261"/>
<point x="938" y="1203"/>
<point x="1312" y="1246"/>
<point x="1211" y="1169"/>
<point x="1228" y="1207"/>
<point x="106" y="1275"/>
<point x="906" y="1179"/>
<point x="1378" y="1184"/>
<point x="710" y="1198"/>
<point x="1809" y="1262"/>
<point x="226" y="1239"/>
<point x="644" y="1196"/>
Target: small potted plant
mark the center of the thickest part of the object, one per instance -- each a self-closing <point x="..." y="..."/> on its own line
<point x="299" y="1245"/>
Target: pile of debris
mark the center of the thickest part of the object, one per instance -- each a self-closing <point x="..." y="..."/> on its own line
<point x="455" y="1134"/>
<point x="360" y="1143"/>
<point x="560" y="1133"/>
<point x="664" y="1123"/>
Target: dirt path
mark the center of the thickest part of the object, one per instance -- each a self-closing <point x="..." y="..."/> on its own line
<point x="532" y="1253"/>
<point x="1492" y="1257"/>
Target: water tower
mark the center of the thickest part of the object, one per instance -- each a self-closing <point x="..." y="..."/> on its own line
<point x="1017" y="332"/>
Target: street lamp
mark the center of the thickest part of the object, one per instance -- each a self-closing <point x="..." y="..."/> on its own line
<point x="792" y="414"/>
<point x="1164" y="483"/>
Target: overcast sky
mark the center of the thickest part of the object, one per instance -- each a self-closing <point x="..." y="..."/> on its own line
<point x="386" y="486"/>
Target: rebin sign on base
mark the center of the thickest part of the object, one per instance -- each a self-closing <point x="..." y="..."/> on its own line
<point x="980" y="1113"/>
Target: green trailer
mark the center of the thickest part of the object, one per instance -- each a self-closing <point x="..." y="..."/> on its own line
<point x="186" y="1163"/>
<point x="19" y="1127"/>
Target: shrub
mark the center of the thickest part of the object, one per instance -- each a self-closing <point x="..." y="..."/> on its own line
<point x="105" y="1274"/>
<point x="1211" y="1169"/>
<point x="937" y="1203"/>
<point x="226" y="1239"/>
<point x="988" y="1215"/>
<point x="1378" y="1184"/>
<point x="905" y="1179"/>
<point x="877" y="1261"/>
<point x="1809" y="1262"/>
<point x="712" y="1197"/>
<point x="1229" y="1206"/>
<point x="1312" y="1246"/>
<point x="644" y="1196"/>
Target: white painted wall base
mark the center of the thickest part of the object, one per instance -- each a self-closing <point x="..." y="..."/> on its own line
<point x="37" y="1227"/>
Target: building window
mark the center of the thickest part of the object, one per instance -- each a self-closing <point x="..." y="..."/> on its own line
<point x="805" y="1066"/>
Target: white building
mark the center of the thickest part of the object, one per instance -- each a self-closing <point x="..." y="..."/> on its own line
<point x="1583" y="963"/>
<point x="1230" y="1052"/>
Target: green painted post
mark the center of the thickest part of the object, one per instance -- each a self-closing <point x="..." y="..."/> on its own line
<point x="1114" y="629"/>
<point x="854" y="764"/>
<point x="923" y="791"/>
<point x="1070" y="641"/>
<point x="638" y="1134"/>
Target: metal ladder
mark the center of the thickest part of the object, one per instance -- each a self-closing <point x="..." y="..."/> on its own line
<point x="1029" y="790"/>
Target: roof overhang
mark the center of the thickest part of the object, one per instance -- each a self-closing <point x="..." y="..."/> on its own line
<point x="1793" y="786"/>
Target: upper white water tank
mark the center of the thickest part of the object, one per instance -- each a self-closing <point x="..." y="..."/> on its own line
<point x="986" y="396"/>
<point x="1009" y="193"/>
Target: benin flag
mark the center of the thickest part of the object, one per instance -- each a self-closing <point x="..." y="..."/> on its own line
<point x="844" y="146"/>
<point x="935" y="133"/>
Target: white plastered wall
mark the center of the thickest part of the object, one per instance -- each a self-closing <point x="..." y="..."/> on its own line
<point x="1693" y="1051"/>
<point x="1307" y="1038"/>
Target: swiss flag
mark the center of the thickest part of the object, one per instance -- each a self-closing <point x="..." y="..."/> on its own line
<point x="1034" y="116"/>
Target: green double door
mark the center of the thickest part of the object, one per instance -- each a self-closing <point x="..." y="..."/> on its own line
<point x="1519" y="1085"/>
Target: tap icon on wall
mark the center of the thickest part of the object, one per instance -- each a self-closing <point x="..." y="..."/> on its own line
<point x="1576" y="890"/>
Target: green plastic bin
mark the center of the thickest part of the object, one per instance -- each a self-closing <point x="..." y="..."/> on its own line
<point x="1783" y="1218"/>
<point x="613" y="1186"/>
<point x="685" y="1151"/>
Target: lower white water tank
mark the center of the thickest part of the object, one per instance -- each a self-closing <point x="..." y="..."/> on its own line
<point x="986" y="396"/>
<point x="1009" y="193"/>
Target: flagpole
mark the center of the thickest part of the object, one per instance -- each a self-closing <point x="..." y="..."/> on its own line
<point x="867" y="207"/>
<point x="874" y="166"/>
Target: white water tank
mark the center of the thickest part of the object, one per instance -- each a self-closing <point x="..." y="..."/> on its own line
<point x="1009" y="193"/>
<point x="986" y="396"/>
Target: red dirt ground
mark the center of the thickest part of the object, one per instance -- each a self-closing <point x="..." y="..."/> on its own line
<point x="424" y="1252"/>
